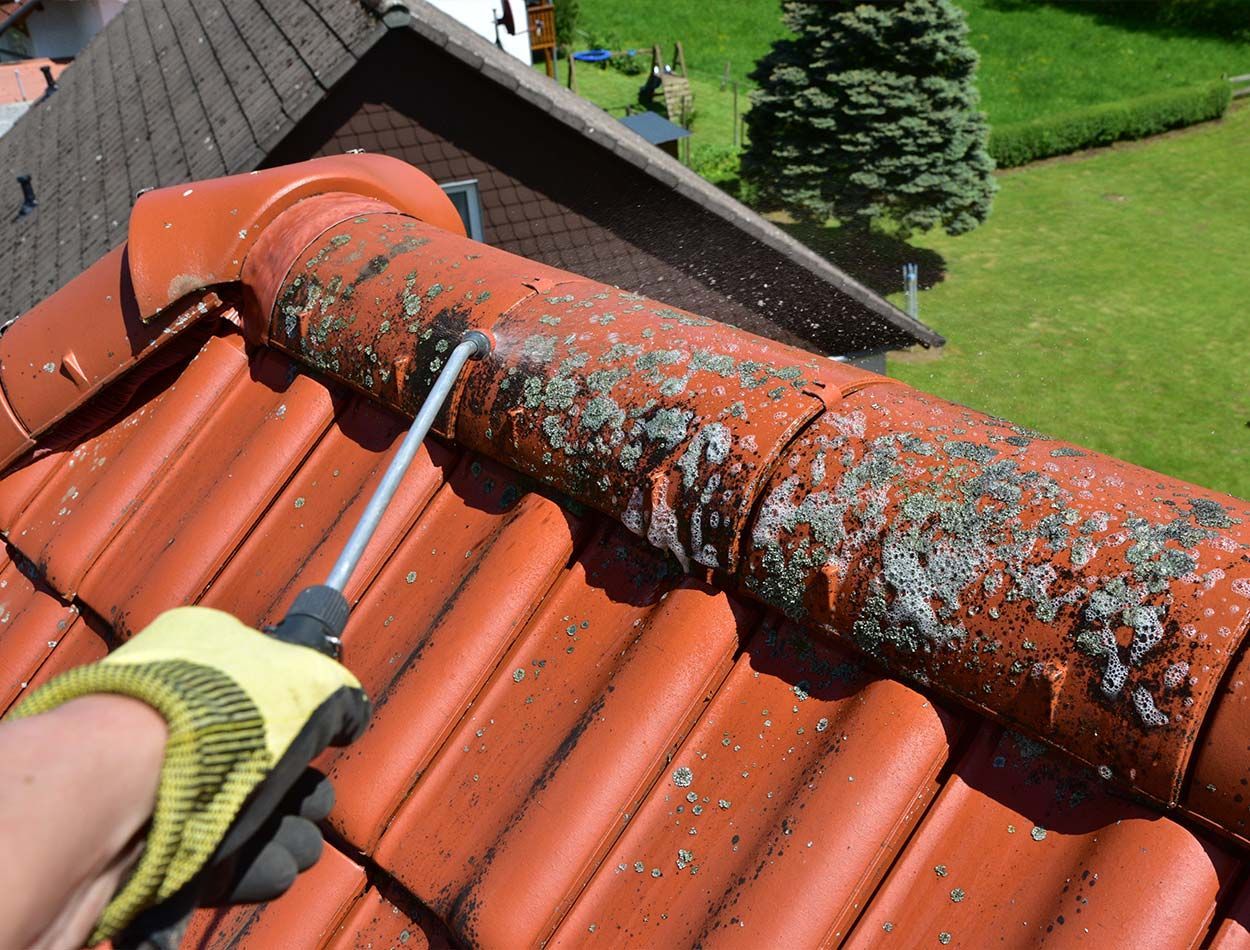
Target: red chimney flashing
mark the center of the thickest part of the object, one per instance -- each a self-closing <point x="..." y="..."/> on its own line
<point x="1084" y="601"/>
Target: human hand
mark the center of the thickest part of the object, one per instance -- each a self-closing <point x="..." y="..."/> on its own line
<point x="234" y="811"/>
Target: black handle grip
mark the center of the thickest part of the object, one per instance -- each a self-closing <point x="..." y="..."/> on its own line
<point x="316" y="620"/>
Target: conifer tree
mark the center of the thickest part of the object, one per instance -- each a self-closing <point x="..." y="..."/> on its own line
<point x="870" y="111"/>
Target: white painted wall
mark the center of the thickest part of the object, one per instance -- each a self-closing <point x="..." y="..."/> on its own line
<point x="480" y="15"/>
<point x="63" y="27"/>
<point x="10" y="112"/>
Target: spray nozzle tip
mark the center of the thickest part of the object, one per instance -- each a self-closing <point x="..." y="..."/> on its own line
<point x="481" y="343"/>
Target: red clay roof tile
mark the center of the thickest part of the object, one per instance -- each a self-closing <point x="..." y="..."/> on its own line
<point x="433" y="627"/>
<point x="84" y="641"/>
<point x="32" y="622"/>
<point x="379" y="921"/>
<point x="98" y="485"/>
<point x="1219" y="788"/>
<point x="21" y="483"/>
<point x="603" y="683"/>
<point x="1232" y="931"/>
<point x="209" y="494"/>
<point x="295" y="543"/>
<point x="1020" y="848"/>
<point x="802" y="780"/>
<point x="546" y="684"/>
<point x="50" y="367"/>
<point x="306" y="916"/>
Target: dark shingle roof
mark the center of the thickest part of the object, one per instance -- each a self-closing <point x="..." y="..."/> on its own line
<point x="169" y="91"/>
<point x="173" y="90"/>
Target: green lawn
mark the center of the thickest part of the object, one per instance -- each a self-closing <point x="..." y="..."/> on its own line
<point x="1036" y="58"/>
<point x="1106" y="302"/>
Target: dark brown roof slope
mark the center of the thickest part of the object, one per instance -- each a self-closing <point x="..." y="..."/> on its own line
<point x="593" y="122"/>
<point x="169" y="91"/>
<point x="174" y="91"/>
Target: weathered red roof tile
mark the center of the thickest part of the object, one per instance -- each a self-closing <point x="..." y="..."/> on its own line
<point x="795" y="790"/>
<point x="101" y="483"/>
<point x="306" y="916"/>
<point x="32" y="622"/>
<point x="1232" y="930"/>
<point x="384" y="920"/>
<point x="550" y="689"/>
<point x="561" y="743"/>
<point x="1021" y="848"/>
<point x="1219" y="788"/>
<point x="433" y="627"/>
<point x="296" y="541"/>
<point x="21" y="483"/>
<point x="84" y="641"/>
<point x="209" y="494"/>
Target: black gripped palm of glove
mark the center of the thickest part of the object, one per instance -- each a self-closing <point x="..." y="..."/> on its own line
<point x="237" y="804"/>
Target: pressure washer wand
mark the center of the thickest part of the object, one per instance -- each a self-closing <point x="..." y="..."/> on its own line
<point x="319" y="614"/>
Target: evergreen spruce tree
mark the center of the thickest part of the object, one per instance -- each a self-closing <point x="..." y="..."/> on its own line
<point x="870" y="112"/>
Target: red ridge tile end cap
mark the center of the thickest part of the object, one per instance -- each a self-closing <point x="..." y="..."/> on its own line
<point x="241" y="207"/>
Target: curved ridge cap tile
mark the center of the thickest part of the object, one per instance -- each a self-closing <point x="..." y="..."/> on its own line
<point x="668" y="421"/>
<point x="269" y="261"/>
<point x="242" y="206"/>
<point x="1081" y="599"/>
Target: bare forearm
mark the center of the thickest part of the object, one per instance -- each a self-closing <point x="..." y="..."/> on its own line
<point x="76" y="786"/>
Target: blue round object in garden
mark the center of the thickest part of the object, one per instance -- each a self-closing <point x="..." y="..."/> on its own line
<point x="593" y="55"/>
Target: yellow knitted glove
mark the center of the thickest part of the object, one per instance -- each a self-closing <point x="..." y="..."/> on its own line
<point x="246" y="714"/>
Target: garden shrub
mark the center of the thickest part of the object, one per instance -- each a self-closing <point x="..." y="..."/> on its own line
<point x="869" y="112"/>
<point x="716" y="163"/>
<point x="1023" y="142"/>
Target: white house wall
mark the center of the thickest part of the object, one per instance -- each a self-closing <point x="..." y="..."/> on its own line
<point x="480" y="16"/>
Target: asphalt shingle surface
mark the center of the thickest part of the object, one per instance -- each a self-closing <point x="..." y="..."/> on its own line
<point x="168" y="92"/>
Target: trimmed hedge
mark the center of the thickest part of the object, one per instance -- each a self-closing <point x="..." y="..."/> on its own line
<point x="1023" y="142"/>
